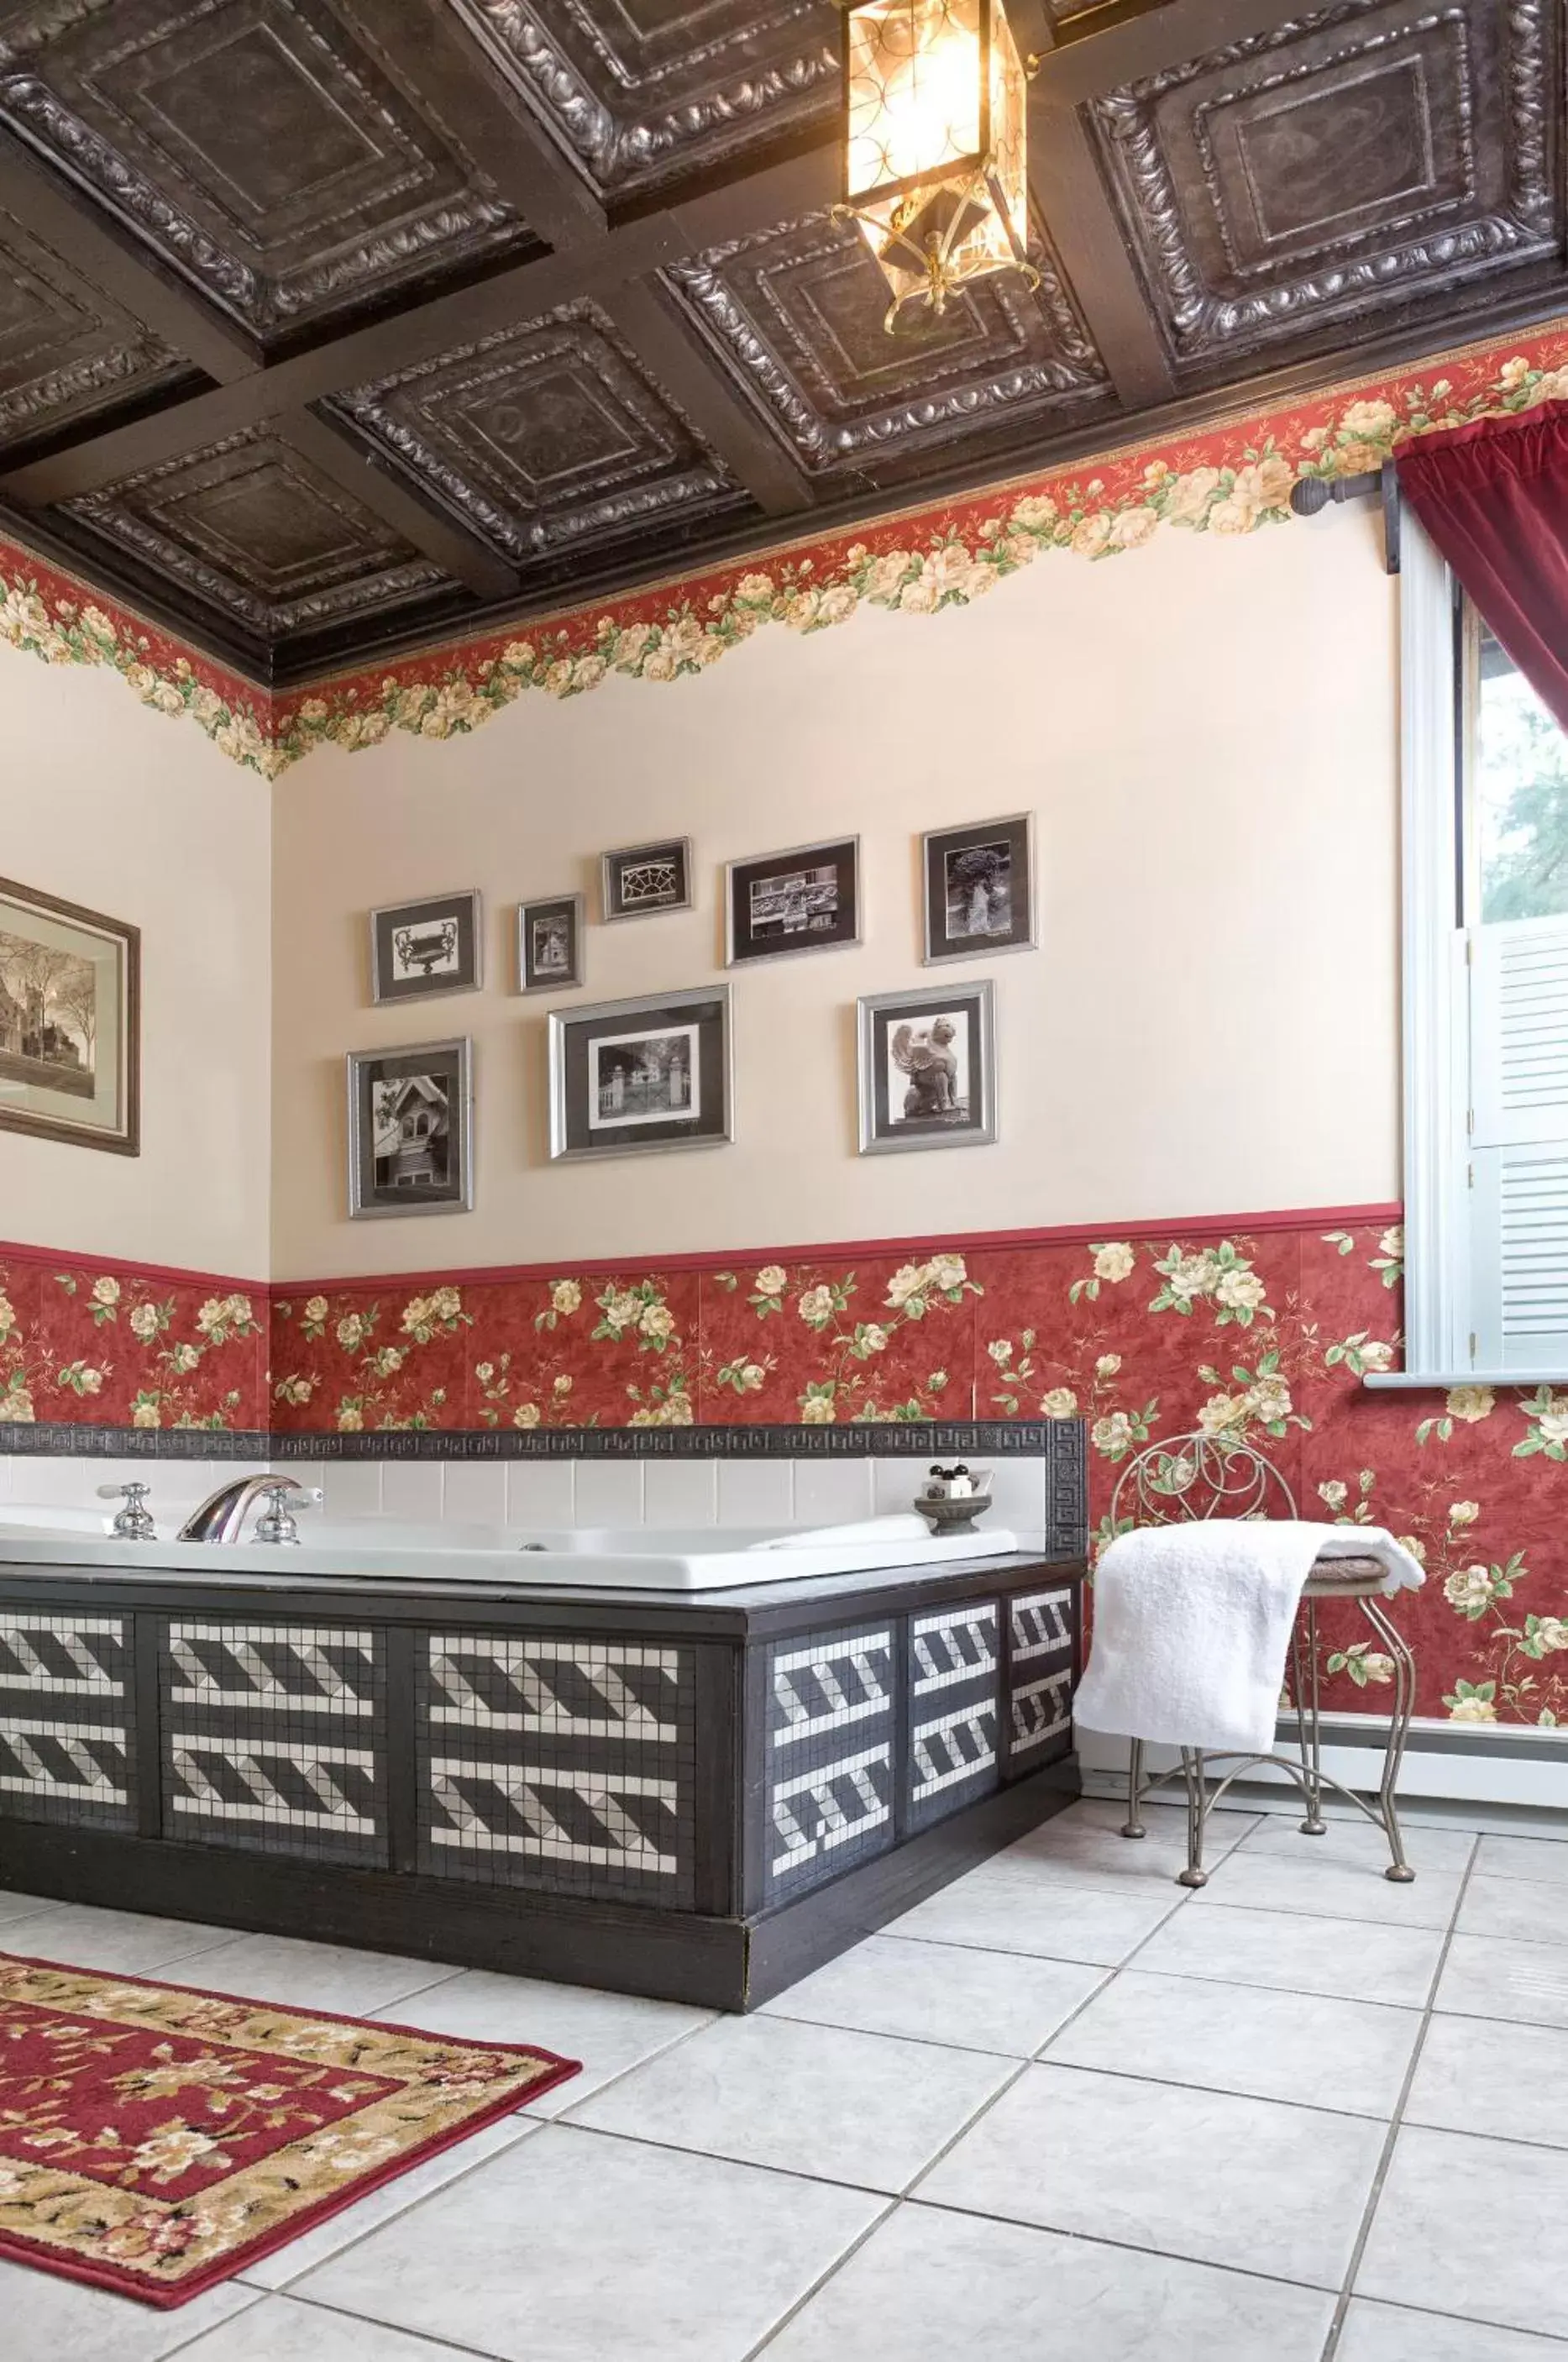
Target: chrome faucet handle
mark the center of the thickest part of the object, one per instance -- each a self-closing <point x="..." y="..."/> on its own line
<point x="276" y="1523"/>
<point x="133" y="1523"/>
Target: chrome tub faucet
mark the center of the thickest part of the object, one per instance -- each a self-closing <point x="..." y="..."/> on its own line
<point x="221" y="1518"/>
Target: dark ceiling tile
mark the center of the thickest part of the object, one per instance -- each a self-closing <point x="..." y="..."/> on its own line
<point x="547" y="437"/>
<point x="644" y="89"/>
<point x="249" y="529"/>
<point x="257" y="145"/>
<point x="1354" y="160"/>
<point x="66" y="347"/>
<point x="799" y="315"/>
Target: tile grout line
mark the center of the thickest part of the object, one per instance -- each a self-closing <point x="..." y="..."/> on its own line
<point x="1396" y="2124"/>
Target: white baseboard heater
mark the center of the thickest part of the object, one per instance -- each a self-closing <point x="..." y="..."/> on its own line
<point x="1464" y="1763"/>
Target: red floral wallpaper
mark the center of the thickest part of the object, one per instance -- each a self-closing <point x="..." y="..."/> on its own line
<point x="1264" y="1334"/>
<point x="108" y="1344"/>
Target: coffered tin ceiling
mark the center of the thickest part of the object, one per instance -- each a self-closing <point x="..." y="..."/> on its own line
<point x="329" y="326"/>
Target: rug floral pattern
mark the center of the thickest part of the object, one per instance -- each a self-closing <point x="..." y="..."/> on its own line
<point x="156" y="2139"/>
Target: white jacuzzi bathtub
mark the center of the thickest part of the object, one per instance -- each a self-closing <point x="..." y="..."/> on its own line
<point x="386" y="1549"/>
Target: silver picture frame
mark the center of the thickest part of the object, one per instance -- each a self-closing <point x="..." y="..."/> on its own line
<point x="608" y="1098"/>
<point x="549" y="910"/>
<point x="629" y="879"/>
<point x="422" y="948"/>
<point x="746" y="942"/>
<point x="1012" y="835"/>
<point x="445" y="1069"/>
<point x="892" y="1077"/>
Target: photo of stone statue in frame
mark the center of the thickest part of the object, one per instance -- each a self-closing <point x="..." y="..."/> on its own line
<point x="978" y="888"/>
<point x="419" y="949"/>
<point x="927" y="1069"/>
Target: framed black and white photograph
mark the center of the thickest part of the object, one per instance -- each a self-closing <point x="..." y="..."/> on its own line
<point x="411" y="1130"/>
<point x="807" y="899"/>
<point x="70" y="1023"/>
<point x="979" y="888"/>
<point x="549" y="943"/>
<point x="640" y="880"/>
<point x="418" y="949"/>
<point x="927" y="1068"/>
<point x="629" y="1075"/>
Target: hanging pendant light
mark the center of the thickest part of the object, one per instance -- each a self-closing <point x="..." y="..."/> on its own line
<point x="935" y="95"/>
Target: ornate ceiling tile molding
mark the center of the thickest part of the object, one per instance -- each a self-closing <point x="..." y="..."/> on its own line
<point x="67" y="346"/>
<point x="332" y="189"/>
<point x="546" y="437"/>
<point x="1229" y="479"/>
<point x="638" y="105"/>
<point x="1249" y="228"/>
<point x="252" y="527"/>
<point x="801" y="309"/>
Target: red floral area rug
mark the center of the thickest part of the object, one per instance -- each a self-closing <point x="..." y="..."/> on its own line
<point x="155" y="2140"/>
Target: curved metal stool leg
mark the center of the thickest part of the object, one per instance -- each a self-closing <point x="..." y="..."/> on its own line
<point x="1134" y="1824"/>
<point x="1309" y="1726"/>
<point x="1399" y="1648"/>
<point x="1197" y="1817"/>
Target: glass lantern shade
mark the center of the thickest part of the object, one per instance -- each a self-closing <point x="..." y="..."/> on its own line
<point x="935" y="110"/>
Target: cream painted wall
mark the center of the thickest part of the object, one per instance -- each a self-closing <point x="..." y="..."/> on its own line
<point x="107" y="803"/>
<point x="1206" y="731"/>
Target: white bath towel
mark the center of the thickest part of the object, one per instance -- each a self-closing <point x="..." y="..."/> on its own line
<point x="1192" y="1626"/>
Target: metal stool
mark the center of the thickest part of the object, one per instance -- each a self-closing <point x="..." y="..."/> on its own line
<point x="1198" y="1476"/>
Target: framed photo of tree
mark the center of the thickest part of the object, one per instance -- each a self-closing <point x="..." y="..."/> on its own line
<point x="70" y="1023"/>
<point x="979" y="888"/>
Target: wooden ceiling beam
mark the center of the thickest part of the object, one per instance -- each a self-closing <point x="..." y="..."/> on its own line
<point x="429" y="329"/>
<point x="1076" y="209"/>
<point x="680" y="366"/>
<point x="1139" y="46"/>
<point x="442" y="65"/>
<point x="439" y="537"/>
<point x="46" y="203"/>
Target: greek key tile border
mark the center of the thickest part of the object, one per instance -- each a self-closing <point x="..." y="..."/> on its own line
<point x="924" y="1439"/>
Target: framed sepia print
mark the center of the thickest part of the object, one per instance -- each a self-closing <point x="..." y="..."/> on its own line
<point x="928" y="1068"/>
<point x="549" y="943"/>
<point x="979" y="888"/>
<point x="640" y="880"/>
<point x="628" y="1077"/>
<point x="418" y="949"/>
<point x="804" y="900"/>
<point x="411" y="1147"/>
<point x="70" y="1023"/>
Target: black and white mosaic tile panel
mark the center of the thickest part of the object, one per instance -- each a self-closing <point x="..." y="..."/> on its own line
<point x="830" y="1745"/>
<point x="273" y="1737"/>
<point x="67" y="1719"/>
<point x="953" y="1683"/>
<point x="1040" y="1659"/>
<point x="559" y="1763"/>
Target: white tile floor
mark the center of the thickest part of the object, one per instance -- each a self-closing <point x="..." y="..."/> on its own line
<point x="1064" y="2107"/>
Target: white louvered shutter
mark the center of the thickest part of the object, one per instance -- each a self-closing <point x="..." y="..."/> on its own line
<point x="1518" y="1097"/>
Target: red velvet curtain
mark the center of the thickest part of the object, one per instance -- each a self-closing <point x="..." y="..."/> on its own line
<point x="1494" y="497"/>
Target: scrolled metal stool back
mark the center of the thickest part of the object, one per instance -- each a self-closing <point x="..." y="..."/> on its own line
<point x="1196" y="1476"/>
<point x="1189" y="1480"/>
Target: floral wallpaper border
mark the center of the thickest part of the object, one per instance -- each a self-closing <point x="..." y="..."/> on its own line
<point x="1232" y="478"/>
<point x="1144" y="1334"/>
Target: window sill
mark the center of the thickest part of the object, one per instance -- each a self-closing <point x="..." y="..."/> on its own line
<point x="1417" y="1381"/>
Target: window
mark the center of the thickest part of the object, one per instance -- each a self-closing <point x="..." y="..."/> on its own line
<point x="1486" y="824"/>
